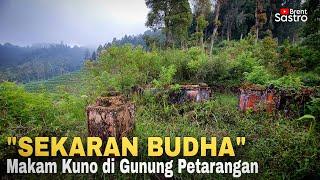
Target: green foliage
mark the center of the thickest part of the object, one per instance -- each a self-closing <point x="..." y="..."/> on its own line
<point x="39" y="62"/>
<point x="245" y="62"/>
<point x="38" y="114"/>
<point x="312" y="26"/>
<point x="310" y="78"/>
<point x="311" y="58"/>
<point x="202" y="23"/>
<point x="123" y="68"/>
<point x="307" y="116"/>
<point x="21" y="107"/>
<point x="313" y="107"/>
<point x="258" y="75"/>
<point x="165" y="77"/>
<point x="288" y="82"/>
<point x="290" y="59"/>
<point x="267" y="52"/>
<point x="70" y="82"/>
<point x="173" y="16"/>
<point x="269" y="139"/>
<point x="56" y="107"/>
<point x="197" y="59"/>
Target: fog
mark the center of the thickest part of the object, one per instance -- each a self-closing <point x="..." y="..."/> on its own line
<point x="75" y="22"/>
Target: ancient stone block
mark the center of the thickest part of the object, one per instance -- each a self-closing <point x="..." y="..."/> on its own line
<point x="258" y="99"/>
<point x="190" y="93"/>
<point x="272" y="99"/>
<point x="186" y="93"/>
<point x="112" y="116"/>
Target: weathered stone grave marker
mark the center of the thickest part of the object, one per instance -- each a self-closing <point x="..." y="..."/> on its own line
<point x="111" y="116"/>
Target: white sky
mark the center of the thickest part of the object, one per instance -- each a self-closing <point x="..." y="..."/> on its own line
<point x="81" y="22"/>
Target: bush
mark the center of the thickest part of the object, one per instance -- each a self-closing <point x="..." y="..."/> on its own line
<point x="310" y="78"/>
<point x="259" y="75"/>
<point x="288" y="82"/>
<point x="266" y="52"/>
<point x="165" y="77"/>
<point x="313" y="107"/>
<point x="38" y="114"/>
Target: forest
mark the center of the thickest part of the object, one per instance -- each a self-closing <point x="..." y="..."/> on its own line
<point x="224" y="44"/>
<point x="39" y="61"/>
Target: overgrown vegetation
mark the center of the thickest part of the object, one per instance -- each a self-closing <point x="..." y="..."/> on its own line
<point x="286" y="147"/>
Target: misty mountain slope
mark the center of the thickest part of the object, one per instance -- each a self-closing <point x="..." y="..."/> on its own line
<point x="39" y="62"/>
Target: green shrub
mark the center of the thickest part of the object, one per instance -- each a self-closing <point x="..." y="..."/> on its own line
<point x="310" y="78"/>
<point x="313" y="107"/>
<point x="259" y="75"/>
<point x="288" y="82"/>
<point x="38" y="114"/>
<point x="165" y="77"/>
<point x="266" y="51"/>
<point x="196" y="60"/>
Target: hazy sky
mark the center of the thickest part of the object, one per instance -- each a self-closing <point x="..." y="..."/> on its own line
<point x="81" y="22"/>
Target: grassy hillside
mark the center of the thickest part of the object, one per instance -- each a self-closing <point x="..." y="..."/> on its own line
<point x="68" y="81"/>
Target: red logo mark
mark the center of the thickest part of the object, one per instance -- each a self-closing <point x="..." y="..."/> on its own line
<point x="284" y="11"/>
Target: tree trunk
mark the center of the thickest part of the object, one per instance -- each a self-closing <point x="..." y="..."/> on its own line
<point x="201" y="42"/>
<point x="229" y="32"/>
<point x="257" y="22"/>
<point x="257" y="34"/>
<point x="258" y="4"/>
<point x="216" y="18"/>
<point x="167" y="37"/>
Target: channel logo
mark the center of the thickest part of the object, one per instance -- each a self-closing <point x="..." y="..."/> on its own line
<point x="291" y="15"/>
<point x="284" y="11"/>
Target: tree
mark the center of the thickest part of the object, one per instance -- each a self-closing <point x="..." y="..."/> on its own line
<point x="280" y="30"/>
<point x="172" y="16"/>
<point x="261" y="17"/>
<point x="233" y="16"/>
<point x="40" y="61"/>
<point x="180" y="18"/>
<point x="201" y="7"/>
<point x="202" y="23"/>
<point x="311" y="30"/>
<point x="201" y="10"/>
<point x="100" y="48"/>
<point x="216" y="23"/>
